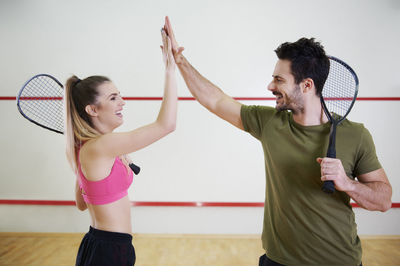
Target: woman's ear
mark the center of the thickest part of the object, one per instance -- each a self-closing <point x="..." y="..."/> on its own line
<point x="91" y="110"/>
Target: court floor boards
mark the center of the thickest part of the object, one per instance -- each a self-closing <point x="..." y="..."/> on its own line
<point x="171" y="250"/>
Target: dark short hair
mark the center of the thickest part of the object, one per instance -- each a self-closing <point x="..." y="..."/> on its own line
<point x="308" y="60"/>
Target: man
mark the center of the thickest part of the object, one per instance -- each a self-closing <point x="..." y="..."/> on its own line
<point x="302" y="224"/>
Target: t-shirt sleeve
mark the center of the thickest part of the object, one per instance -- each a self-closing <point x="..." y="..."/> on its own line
<point x="367" y="160"/>
<point x="255" y="117"/>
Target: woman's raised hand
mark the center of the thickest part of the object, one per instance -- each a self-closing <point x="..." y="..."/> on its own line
<point x="167" y="51"/>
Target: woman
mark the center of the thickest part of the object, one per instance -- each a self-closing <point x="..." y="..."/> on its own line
<point x="97" y="156"/>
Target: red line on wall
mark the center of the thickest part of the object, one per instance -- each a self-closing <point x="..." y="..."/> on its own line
<point x="40" y="98"/>
<point x="12" y="98"/>
<point x="152" y="203"/>
<point x="38" y="202"/>
<point x="8" y="98"/>
<point x="378" y="99"/>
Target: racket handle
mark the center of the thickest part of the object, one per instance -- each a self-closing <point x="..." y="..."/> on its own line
<point x="328" y="187"/>
<point x="135" y="168"/>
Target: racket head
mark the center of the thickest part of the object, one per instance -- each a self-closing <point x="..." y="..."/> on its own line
<point x="40" y="101"/>
<point x="340" y="90"/>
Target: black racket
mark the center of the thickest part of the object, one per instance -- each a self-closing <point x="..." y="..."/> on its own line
<point x="338" y="97"/>
<point x="40" y="100"/>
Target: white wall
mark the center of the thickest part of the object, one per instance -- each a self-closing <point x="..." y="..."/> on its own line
<point x="174" y="220"/>
<point x="206" y="159"/>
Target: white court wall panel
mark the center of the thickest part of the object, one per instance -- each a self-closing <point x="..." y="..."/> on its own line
<point x="205" y="159"/>
<point x="174" y="220"/>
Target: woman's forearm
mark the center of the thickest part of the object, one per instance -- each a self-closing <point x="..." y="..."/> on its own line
<point x="168" y="110"/>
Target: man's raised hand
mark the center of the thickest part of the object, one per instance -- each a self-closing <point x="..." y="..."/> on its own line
<point x="176" y="50"/>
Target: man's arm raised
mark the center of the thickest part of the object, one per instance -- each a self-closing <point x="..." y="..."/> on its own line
<point x="208" y="95"/>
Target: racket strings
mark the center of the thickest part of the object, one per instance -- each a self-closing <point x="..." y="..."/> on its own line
<point x="339" y="90"/>
<point x="42" y="101"/>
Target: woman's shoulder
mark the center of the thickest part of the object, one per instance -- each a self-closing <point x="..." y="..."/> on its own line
<point x="91" y="149"/>
<point x="95" y="165"/>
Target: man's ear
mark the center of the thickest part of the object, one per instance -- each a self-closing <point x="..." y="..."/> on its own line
<point x="91" y="110"/>
<point x="307" y="85"/>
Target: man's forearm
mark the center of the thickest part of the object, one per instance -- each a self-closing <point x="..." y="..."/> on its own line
<point x="201" y="88"/>
<point x="373" y="196"/>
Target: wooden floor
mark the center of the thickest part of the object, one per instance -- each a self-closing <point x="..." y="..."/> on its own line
<point x="170" y="250"/>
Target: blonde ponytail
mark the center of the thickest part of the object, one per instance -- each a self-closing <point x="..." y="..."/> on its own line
<point x="78" y="126"/>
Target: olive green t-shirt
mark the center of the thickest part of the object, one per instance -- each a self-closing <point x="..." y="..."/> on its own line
<point x="302" y="224"/>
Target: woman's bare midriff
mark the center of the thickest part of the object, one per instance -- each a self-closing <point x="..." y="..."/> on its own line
<point x="113" y="217"/>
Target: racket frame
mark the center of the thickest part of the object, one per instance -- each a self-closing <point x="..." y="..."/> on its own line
<point x="353" y="73"/>
<point x="19" y="96"/>
<point x="329" y="186"/>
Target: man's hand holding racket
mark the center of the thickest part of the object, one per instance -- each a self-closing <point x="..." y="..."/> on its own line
<point x="332" y="169"/>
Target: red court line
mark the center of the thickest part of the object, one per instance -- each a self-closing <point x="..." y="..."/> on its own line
<point x="378" y="99"/>
<point x="8" y="98"/>
<point x="42" y="98"/>
<point x="152" y="203"/>
<point x="12" y="98"/>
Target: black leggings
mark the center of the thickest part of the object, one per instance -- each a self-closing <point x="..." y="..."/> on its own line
<point x="100" y="247"/>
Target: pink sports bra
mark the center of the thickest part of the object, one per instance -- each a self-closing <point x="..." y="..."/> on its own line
<point x="112" y="188"/>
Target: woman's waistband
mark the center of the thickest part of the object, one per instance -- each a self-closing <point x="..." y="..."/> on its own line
<point x="111" y="236"/>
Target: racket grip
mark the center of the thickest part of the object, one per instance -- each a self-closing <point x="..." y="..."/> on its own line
<point x="328" y="187"/>
<point x="135" y="168"/>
